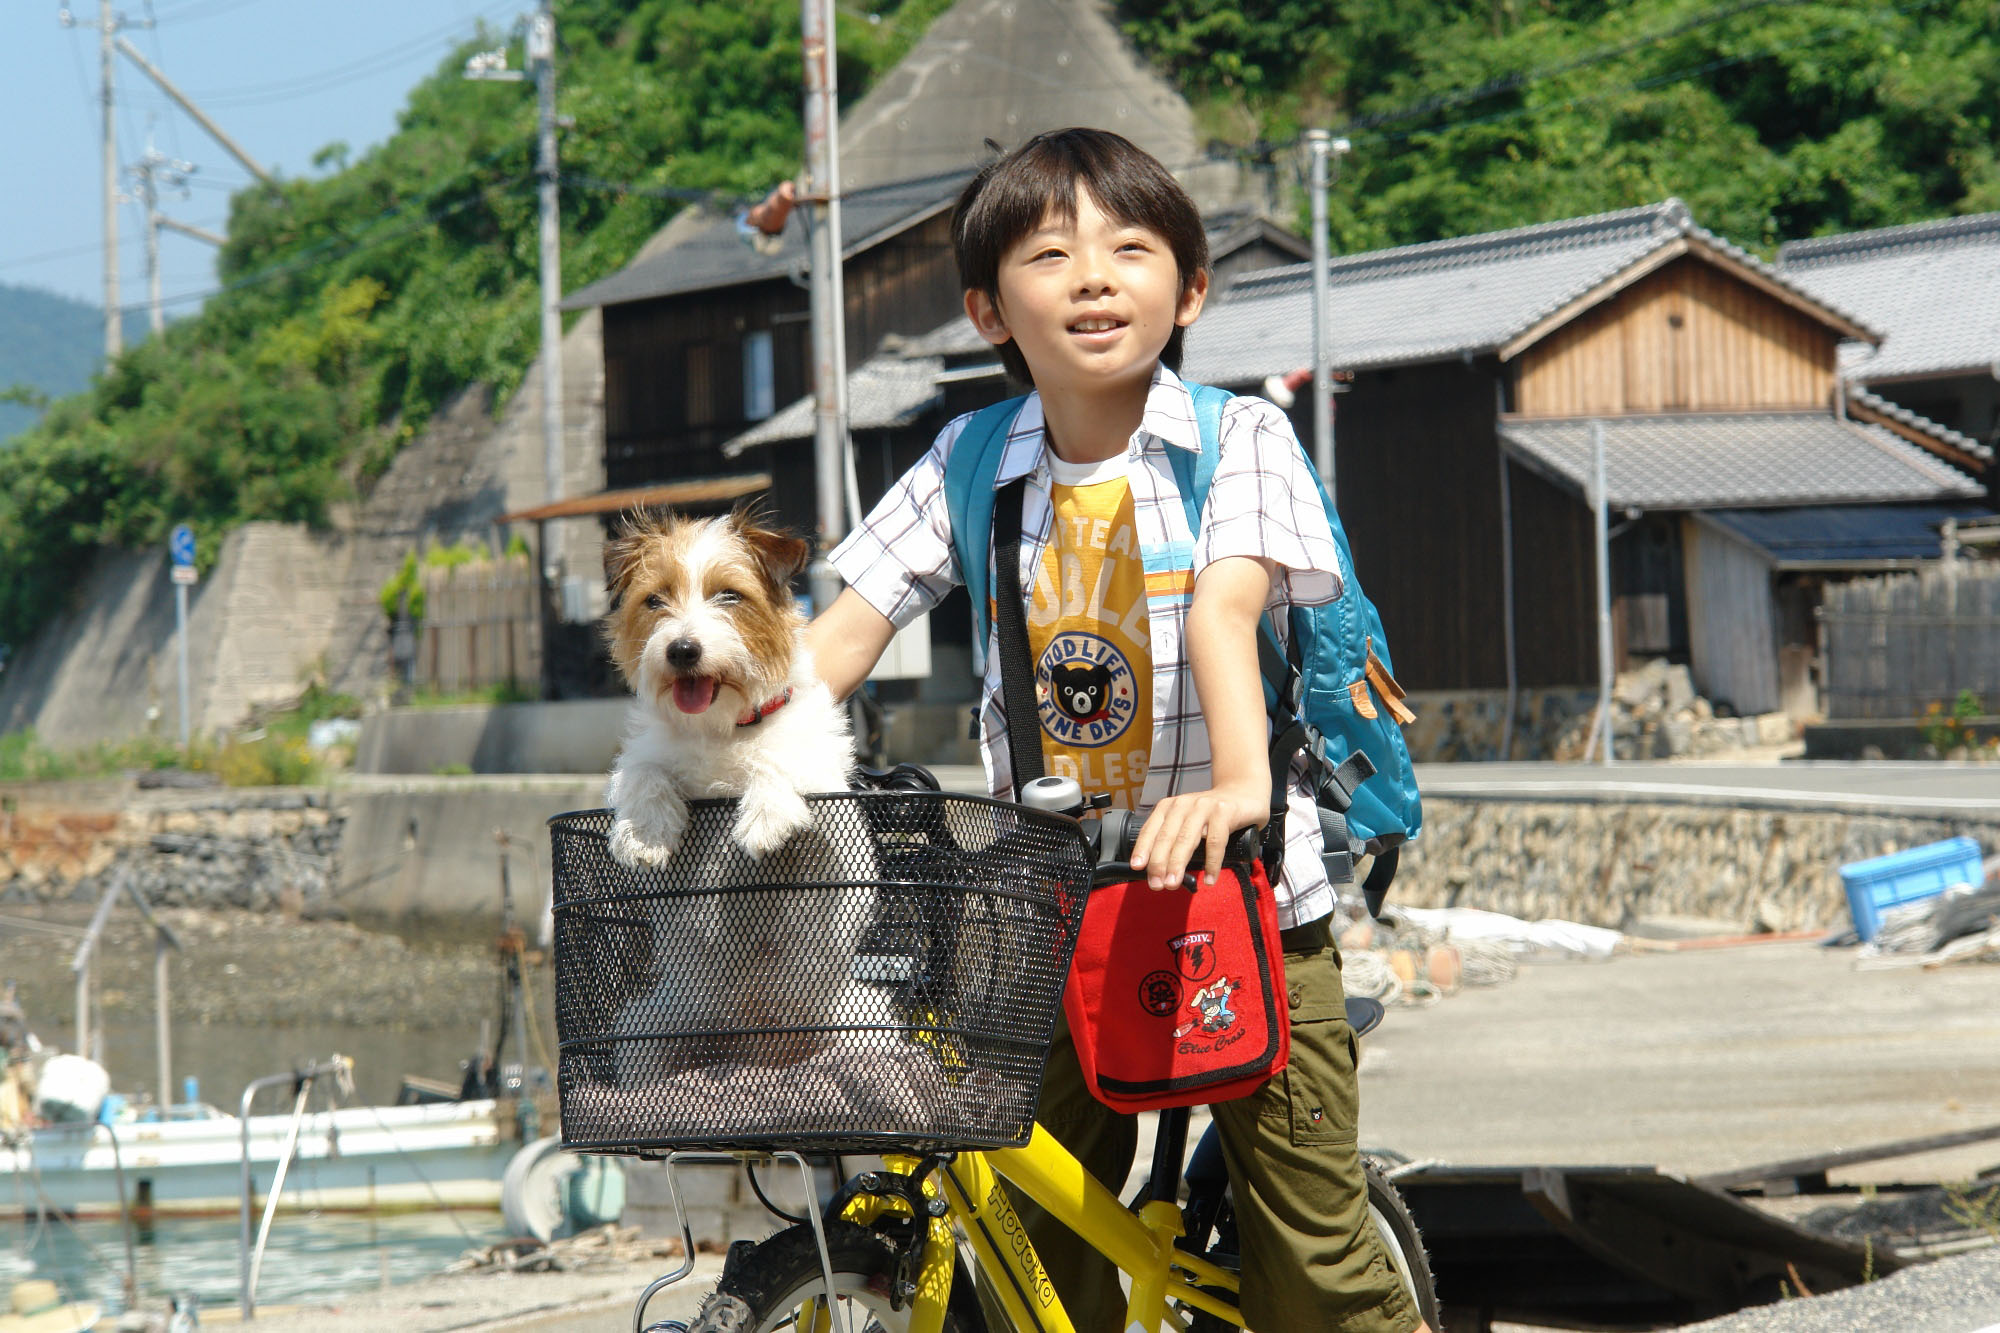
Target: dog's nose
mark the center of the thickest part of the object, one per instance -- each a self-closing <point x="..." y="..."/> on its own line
<point x="683" y="653"/>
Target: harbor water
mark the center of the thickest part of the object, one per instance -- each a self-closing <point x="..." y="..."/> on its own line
<point x="309" y="1258"/>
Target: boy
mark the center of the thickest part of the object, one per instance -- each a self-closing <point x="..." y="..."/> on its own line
<point x="1084" y="262"/>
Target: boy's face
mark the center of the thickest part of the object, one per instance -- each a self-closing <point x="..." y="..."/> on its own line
<point x="1090" y="304"/>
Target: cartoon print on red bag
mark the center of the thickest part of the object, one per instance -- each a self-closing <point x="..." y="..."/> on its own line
<point x="1194" y="954"/>
<point x="1160" y="993"/>
<point x="1213" y="1014"/>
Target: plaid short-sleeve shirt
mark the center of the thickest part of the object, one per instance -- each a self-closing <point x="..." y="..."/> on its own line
<point x="1261" y="502"/>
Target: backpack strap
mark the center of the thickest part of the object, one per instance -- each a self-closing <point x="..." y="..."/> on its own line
<point x="1283" y="696"/>
<point x="968" y="493"/>
<point x="1017" y="668"/>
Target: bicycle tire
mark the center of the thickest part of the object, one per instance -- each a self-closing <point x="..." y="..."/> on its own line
<point x="1401" y="1241"/>
<point x="763" y="1286"/>
<point x="1398" y="1231"/>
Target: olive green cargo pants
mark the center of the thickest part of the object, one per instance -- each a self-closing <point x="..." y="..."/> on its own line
<point x="1311" y="1258"/>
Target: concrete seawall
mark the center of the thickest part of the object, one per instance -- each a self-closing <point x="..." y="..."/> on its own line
<point x="1611" y="862"/>
<point x="422" y="852"/>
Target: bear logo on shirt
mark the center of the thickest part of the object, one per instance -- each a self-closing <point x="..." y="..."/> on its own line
<point x="1083" y="691"/>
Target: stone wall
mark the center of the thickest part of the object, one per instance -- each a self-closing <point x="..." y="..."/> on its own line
<point x="405" y="852"/>
<point x="1607" y="862"/>
<point x="259" y="850"/>
<point x="1655" y="714"/>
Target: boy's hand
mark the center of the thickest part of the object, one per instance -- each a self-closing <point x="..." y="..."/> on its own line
<point x="1221" y="633"/>
<point x="1179" y="824"/>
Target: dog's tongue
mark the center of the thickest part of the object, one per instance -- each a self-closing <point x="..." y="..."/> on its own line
<point x="693" y="694"/>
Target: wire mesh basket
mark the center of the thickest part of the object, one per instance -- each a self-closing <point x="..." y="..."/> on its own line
<point x="888" y="978"/>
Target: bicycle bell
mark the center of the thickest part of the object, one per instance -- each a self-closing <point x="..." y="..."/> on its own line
<point x="1058" y="795"/>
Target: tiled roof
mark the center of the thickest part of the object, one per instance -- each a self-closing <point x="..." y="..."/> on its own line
<point x="1918" y="422"/>
<point x="884" y="392"/>
<point x="1704" y="460"/>
<point x="1933" y="288"/>
<point x="717" y="256"/>
<point x="1438" y="300"/>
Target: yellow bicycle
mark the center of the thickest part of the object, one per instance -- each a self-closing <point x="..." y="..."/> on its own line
<point x="885" y="986"/>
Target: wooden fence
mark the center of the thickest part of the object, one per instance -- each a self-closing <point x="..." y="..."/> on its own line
<point x="1896" y="645"/>
<point x="482" y="626"/>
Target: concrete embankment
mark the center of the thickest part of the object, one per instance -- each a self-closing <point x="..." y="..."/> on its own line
<point x="1757" y="848"/>
<point x="411" y="851"/>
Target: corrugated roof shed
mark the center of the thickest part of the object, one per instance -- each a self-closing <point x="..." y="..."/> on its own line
<point x="1932" y="288"/>
<point x="885" y="392"/>
<point x="1706" y="460"/>
<point x="1443" y="299"/>
<point x="1844" y="536"/>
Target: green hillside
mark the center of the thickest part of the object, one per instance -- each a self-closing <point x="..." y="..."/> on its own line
<point x="355" y="303"/>
<point x="1773" y="119"/>
<point x="49" y="344"/>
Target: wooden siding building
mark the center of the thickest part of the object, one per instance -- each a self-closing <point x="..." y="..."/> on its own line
<point x="711" y="336"/>
<point x="1478" y="370"/>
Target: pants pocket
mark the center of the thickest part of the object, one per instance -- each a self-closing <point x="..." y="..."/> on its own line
<point x="1320" y="1099"/>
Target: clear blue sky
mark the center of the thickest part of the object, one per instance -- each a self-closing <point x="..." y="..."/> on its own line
<point x="283" y="77"/>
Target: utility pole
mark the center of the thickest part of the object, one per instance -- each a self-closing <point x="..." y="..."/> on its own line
<point x="1322" y="145"/>
<point x="200" y="117"/>
<point x="114" y="319"/>
<point x="1600" y="521"/>
<point x="107" y="26"/>
<point x="492" y="66"/>
<point x="155" y="169"/>
<point x="542" y="60"/>
<point x="829" y="322"/>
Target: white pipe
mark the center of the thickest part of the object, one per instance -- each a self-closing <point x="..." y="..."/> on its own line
<point x="1507" y="587"/>
<point x="1601" y="519"/>
<point x="278" y="1183"/>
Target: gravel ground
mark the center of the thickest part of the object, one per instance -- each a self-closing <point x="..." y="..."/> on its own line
<point x="597" y="1300"/>
<point x="239" y="967"/>
<point x="1956" y="1295"/>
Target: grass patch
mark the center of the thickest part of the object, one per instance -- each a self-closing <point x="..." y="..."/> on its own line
<point x="273" y="754"/>
<point x="488" y="694"/>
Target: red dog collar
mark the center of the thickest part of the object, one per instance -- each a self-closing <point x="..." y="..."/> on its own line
<point x="765" y="709"/>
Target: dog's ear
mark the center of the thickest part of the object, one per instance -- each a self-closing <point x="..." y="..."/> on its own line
<point x="621" y="558"/>
<point x="782" y="555"/>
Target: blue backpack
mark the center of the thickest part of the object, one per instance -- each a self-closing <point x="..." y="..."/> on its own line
<point x="1333" y="695"/>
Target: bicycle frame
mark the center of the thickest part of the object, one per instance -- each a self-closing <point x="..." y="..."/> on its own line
<point x="979" y="1206"/>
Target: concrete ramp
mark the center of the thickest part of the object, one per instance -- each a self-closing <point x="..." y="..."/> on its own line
<point x="1611" y="1247"/>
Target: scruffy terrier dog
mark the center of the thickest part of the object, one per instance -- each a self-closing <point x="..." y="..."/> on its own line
<point x="725" y="702"/>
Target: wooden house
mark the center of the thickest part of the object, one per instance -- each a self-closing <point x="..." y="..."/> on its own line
<point x="1482" y="369"/>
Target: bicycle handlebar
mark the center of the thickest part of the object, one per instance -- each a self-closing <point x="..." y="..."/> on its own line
<point x="1109" y="834"/>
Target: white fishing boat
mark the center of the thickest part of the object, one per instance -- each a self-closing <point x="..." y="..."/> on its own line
<point x="346" y="1159"/>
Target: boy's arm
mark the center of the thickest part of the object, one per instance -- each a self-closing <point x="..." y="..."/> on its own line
<point x="1229" y="598"/>
<point x="847" y="640"/>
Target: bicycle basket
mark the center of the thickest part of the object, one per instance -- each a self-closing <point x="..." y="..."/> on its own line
<point x="890" y="978"/>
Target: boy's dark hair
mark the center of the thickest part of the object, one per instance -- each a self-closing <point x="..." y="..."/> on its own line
<point x="1013" y="193"/>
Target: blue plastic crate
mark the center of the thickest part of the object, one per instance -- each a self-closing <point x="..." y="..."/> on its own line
<point x="1876" y="885"/>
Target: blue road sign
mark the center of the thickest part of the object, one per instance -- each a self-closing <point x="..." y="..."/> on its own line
<point x="181" y="545"/>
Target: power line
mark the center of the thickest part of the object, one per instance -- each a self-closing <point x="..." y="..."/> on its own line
<point x="1512" y="82"/>
<point x="403" y="52"/>
<point x="313" y="254"/>
<point x="203" y="9"/>
<point x="1646" y="84"/>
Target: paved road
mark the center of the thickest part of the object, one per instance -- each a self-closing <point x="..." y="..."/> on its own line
<point x="1889" y="787"/>
<point x="1912" y="788"/>
<point x="1696" y="1061"/>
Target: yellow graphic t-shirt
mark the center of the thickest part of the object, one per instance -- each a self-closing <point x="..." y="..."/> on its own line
<point x="1088" y="634"/>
